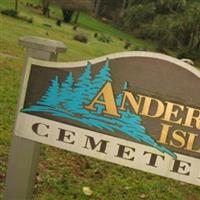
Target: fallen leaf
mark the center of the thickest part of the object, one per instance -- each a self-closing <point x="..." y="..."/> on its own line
<point x="143" y="196"/>
<point x="87" y="191"/>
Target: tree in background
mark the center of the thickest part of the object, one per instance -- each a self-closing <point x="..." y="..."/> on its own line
<point x="135" y="15"/>
<point x="170" y="6"/>
<point x="45" y="8"/>
<point x="69" y="7"/>
<point x="173" y="23"/>
<point x="111" y="9"/>
<point x="16" y="5"/>
<point x="67" y="14"/>
<point x="96" y="7"/>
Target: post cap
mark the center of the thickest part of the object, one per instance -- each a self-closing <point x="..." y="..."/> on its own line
<point x="42" y="44"/>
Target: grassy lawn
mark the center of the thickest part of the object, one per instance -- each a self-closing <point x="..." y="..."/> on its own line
<point x="61" y="174"/>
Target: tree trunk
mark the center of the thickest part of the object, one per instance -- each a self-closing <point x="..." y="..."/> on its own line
<point x="67" y="15"/>
<point x="16" y="5"/>
<point x="76" y="17"/>
<point x="97" y="5"/>
<point x="45" y="8"/>
<point x="124" y="6"/>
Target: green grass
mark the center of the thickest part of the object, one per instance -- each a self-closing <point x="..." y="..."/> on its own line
<point x="100" y="27"/>
<point x="62" y="174"/>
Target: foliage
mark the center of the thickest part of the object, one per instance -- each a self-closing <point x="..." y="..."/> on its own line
<point x="73" y="4"/>
<point x="174" y="23"/>
<point x="136" y="15"/>
<point x="45" y="8"/>
<point x="104" y="38"/>
<point x="10" y="12"/>
<point x="15" y="14"/>
<point x="58" y="22"/>
<point x="170" y="6"/>
<point x="67" y="15"/>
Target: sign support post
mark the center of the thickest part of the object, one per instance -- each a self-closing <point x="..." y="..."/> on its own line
<point x="24" y="154"/>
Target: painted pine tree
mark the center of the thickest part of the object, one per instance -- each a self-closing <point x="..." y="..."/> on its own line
<point x="120" y="96"/>
<point x="81" y="92"/>
<point x="65" y="97"/>
<point x="132" y="122"/>
<point x="97" y="83"/>
<point x="51" y="98"/>
<point x="126" y="115"/>
<point x="132" y="126"/>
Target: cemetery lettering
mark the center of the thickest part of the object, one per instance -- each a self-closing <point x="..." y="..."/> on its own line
<point x="100" y="145"/>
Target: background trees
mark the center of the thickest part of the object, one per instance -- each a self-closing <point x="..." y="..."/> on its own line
<point x="173" y="23"/>
<point x="69" y="7"/>
<point x="45" y="7"/>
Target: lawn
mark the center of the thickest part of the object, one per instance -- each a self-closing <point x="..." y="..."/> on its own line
<point x="61" y="174"/>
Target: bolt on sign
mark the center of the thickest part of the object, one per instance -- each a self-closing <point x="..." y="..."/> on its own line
<point x="136" y="109"/>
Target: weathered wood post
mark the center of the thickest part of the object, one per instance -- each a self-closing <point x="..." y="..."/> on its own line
<point x="23" y="156"/>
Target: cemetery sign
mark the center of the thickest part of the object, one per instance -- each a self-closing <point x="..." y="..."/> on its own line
<point x="136" y="109"/>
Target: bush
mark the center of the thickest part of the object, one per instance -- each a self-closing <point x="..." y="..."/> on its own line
<point x="10" y="12"/>
<point x="191" y="54"/>
<point x="135" y="48"/>
<point x="30" y="20"/>
<point x="138" y="14"/>
<point x="59" y="22"/>
<point x="81" y="38"/>
<point x="127" y="44"/>
<point x="15" y="14"/>
<point x="104" y="38"/>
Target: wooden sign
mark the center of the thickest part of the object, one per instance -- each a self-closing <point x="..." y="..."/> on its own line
<point x="137" y="109"/>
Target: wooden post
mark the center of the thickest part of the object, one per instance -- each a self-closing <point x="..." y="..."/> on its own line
<point x="24" y="154"/>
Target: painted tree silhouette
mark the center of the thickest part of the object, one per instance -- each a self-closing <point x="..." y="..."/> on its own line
<point x="98" y="82"/>
<point x="120" y="96"/>
<point x="82" y="89"/>
<point x="51" y="98"/>
<point x="131" y="121"/>
<point x="66" y="91"/>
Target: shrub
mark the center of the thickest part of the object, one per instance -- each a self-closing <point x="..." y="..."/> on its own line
<point x="15" y="14"/>
<point x="95" y="35"/>
<point x="104" y="38"/>
<point x="75" y="28"/>
<point x="135" y="48"/>
<point x="127" y="45"/>
<point x="59" y="22"/>
<point x="10" y="12"/>
<point x="30" y="20"/>
<point x="81" y="38"/>
<point x="191" y="54"/>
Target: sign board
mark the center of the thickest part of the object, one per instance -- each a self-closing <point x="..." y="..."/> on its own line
<point x="136" y="109"/>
